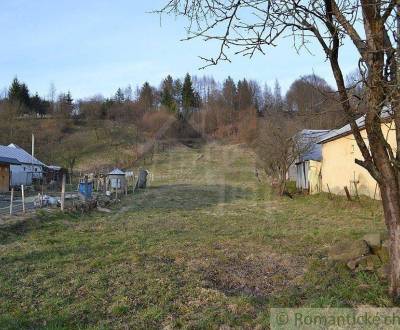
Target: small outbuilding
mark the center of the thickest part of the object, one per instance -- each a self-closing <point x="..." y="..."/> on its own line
<point x="116" y="180"/>
<point x="308" y="165"/>
<point x="28" y="168"/>
<point x="54" y="174"/>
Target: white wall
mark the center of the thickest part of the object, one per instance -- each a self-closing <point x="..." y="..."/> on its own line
<point x="23" y="174"/>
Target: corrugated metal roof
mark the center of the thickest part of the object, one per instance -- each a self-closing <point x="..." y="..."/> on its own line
<point x="116" y="171"/>
<point x="16" y="152"/>
<point x="54" y="167"/>
<point x="312" y="137"/>
<point x="7" y="160"/>
<point x="346" y="130"/>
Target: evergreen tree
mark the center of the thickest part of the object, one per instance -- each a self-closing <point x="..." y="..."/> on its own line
<point x="188" y="94"/>
<point x="147" y="97"/>
<point x="229" y="93"/>
<point x="18" y="94"/>
<point x="119" y="96"/>
<point x="244" y="95"/>
<point x="167" y="94"/>
<point x="178" y="92"/>
<point x="38" y="105"/>
<point x="65" y="105"/>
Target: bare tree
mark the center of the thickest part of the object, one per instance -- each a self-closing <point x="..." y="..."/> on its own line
<point x="372" y="26"/>
<point x="278" y="145"/>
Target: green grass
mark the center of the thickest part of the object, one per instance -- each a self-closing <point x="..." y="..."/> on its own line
<point x="206" y="245"/>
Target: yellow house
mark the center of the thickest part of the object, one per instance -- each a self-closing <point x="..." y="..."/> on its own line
<point x="339" y="170"/>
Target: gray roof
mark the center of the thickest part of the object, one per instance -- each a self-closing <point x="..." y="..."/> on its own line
<point x="16" y="152"/>
<point x="54" y="167"/>
<point x="7" y="160"/>
<point x="346" y="130"/>
<point x="116" y="171"/>
<point x="312" y="137"/>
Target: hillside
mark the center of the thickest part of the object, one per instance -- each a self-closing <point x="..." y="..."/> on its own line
<point x="206" y="245"/>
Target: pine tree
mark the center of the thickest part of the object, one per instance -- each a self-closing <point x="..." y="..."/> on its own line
<point x="188" y="95"/>
<point x="229" y="93"/>
<point x="167" y="94"/>
<point x="38" y="105"/>
<point x="178" y="92"/>
<point x="65" y="105"/>
<point x="147" y="97"/>
<point x="119" y="96"/>
<point x="18" y="94"/>
<point x="244" y="95"/>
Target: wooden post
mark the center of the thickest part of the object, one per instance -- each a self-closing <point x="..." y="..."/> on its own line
<point x="11" y="201"/>
<point x="347" y="193"/>
<point x="41" y="196"/>
<point x="63" y="193"/>
<point x="23" y="198"/>
<point x="329" y="190"/>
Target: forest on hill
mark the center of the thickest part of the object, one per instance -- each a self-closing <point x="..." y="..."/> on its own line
<point x="120" y="125"/>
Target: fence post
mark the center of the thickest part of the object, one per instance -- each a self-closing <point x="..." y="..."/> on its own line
<point x="23" y="198"/>
<point x="63" y="193"/>
<point x="41" y="197"/>
<point x="12" y="200"/>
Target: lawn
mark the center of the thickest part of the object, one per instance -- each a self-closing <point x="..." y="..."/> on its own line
<point x="207" y="245"/>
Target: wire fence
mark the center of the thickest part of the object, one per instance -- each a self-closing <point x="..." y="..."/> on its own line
<point x="27" y="199"/>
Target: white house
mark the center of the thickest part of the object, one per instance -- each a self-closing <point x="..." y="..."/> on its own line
<point x="29" y="168"/>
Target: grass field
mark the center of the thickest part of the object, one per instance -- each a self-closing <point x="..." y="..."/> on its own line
<point x="206" y="245"/>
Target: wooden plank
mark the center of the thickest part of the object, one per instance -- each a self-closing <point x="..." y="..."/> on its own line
<point x="11" y="201"/>
<point x="23" y="198"/>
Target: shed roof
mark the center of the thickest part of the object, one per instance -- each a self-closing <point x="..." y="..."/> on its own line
<point x="15" y="152"/>
<point x="116" y="171"/>
<point x="312" y="137"/>
<point x="54" y="167"/>
<point x="7" y="160"/>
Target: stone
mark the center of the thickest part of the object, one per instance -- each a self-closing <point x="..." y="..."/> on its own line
<point x="383" y="272"/>
<point x="352" y="264"/>
<point x="369" y="263"/>
<point x="383" y="252"/>
<point x="373" y="240"/>
<point x="348" y="250"/>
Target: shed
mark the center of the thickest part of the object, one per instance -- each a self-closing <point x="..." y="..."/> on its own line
<point x="5" y="174"/>
<point x="28" y="168"/>
<point x="308" y="165"/>
<point x="116" y="180"/>
<point x="53" y="174"/>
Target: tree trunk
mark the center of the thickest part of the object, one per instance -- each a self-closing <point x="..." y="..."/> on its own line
<point x="391" y="207"/>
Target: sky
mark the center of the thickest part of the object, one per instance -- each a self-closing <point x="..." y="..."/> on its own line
<point x="93" y="47"/>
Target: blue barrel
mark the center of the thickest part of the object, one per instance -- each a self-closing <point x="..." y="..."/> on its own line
<point x="86" y="189"/>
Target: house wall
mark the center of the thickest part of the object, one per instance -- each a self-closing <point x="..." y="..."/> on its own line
<point x="339" y="168"/>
